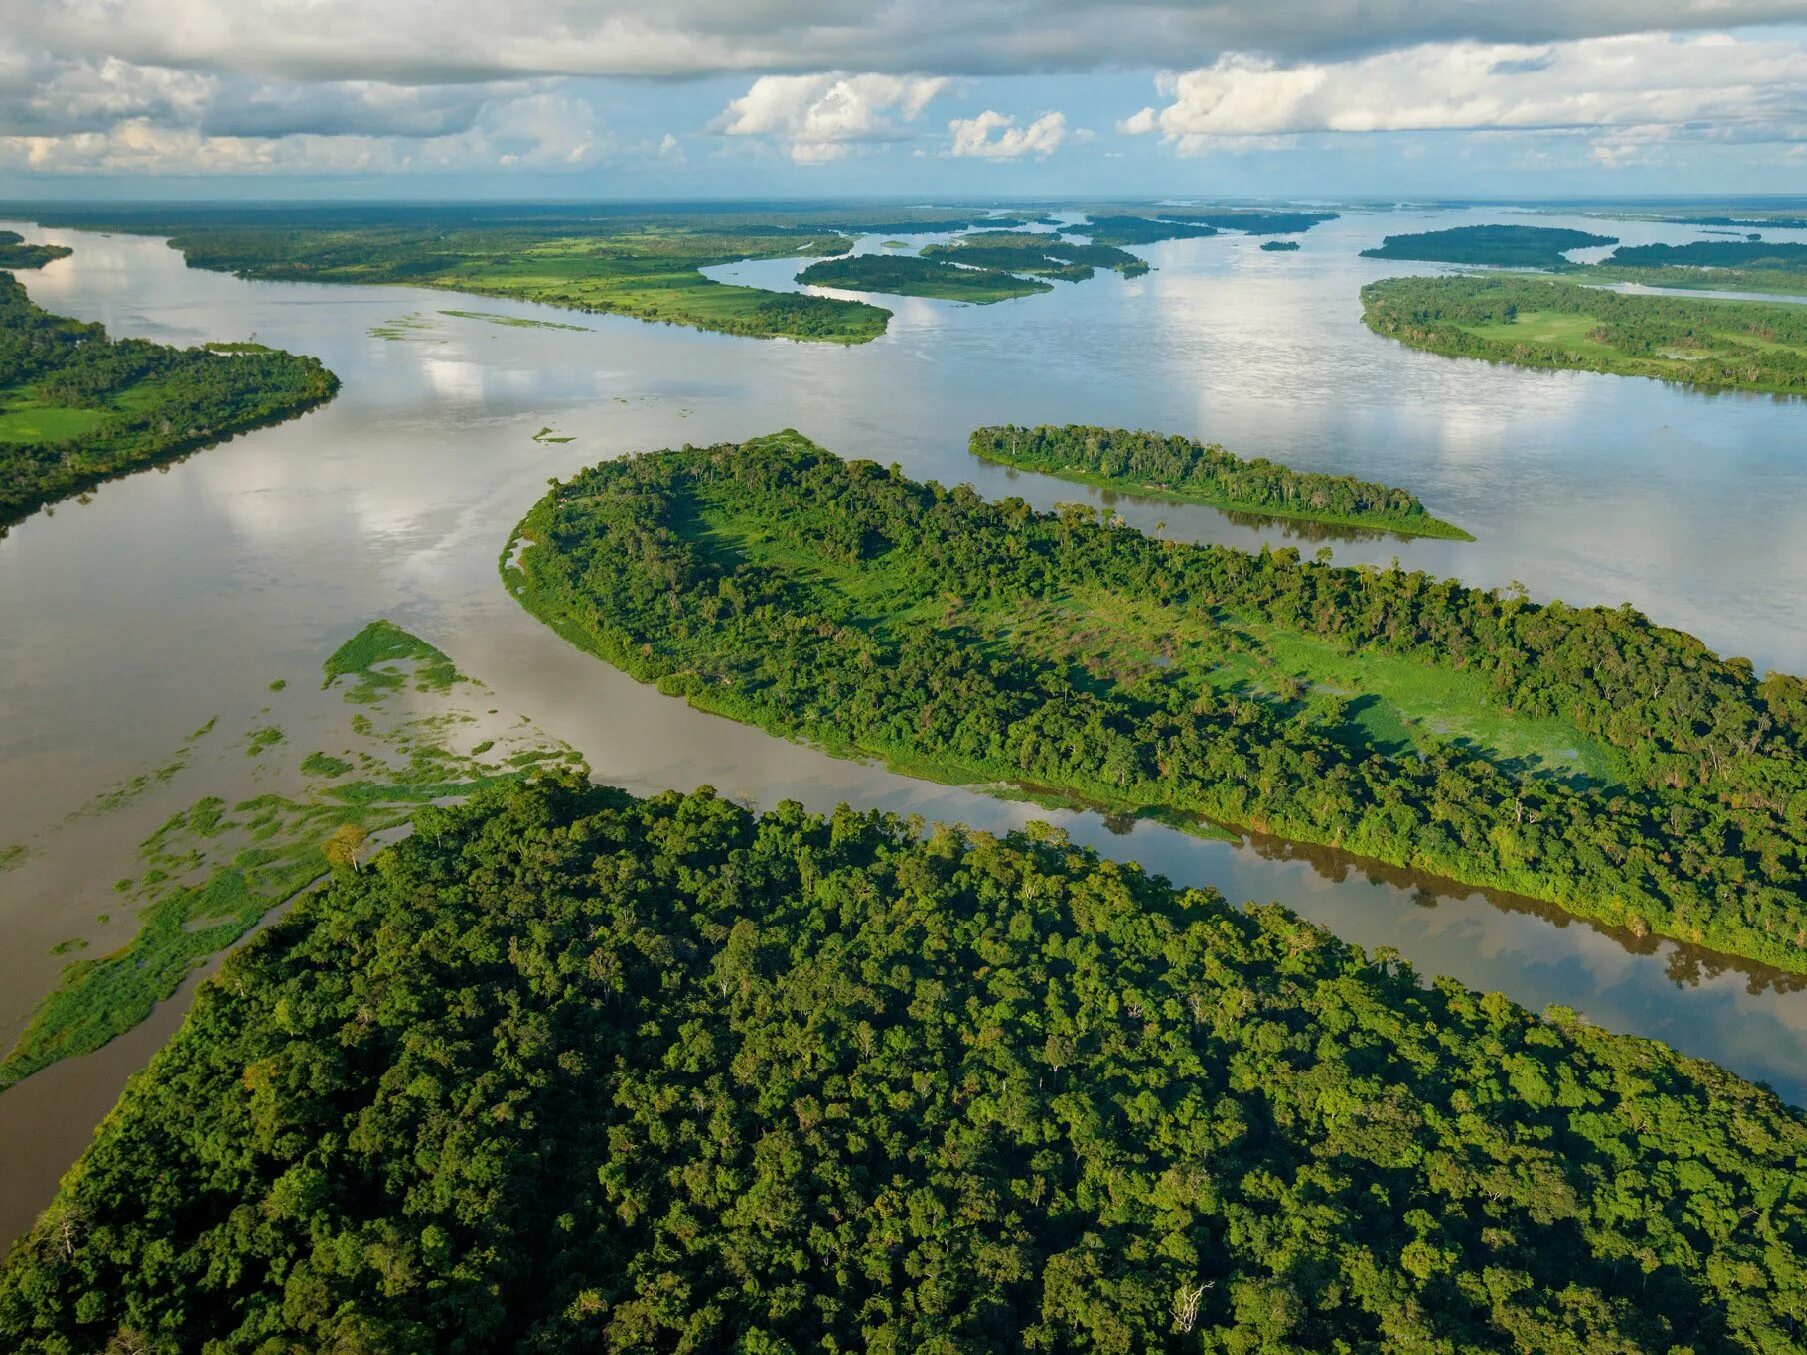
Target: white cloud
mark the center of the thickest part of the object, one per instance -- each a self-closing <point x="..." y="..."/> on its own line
<point x="975" y="136"/>
<point x="450" y="41"/>
<point x="822" y="117"/>
<point x="546" y="130"/>
<point x="1756" y="85"/>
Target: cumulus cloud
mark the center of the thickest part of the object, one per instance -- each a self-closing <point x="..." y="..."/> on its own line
<point x="995" y="136"/>
<point x="543" y="129"/>
<point x="402" y="84"/>
<point x="823" y="117"/>
<point x="446" y="41"/>
<point x="1755" y="88"/>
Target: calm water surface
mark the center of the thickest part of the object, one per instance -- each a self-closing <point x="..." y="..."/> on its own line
<point x="178" y="596"/>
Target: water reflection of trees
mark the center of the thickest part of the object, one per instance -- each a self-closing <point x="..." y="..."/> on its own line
<point x="1687" y="965"/>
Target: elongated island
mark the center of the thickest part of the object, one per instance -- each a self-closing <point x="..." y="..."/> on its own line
<point x="1169" y="466"/>
<point x="77" y="407"/>
<point x="1582" y="756"/>
<point x="1542" y="322"/>
<point x="569" y="1071"/>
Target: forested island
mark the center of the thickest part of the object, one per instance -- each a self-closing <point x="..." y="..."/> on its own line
<point x="1140" y="230"/>
<point x="1752" y="265"/>
<point x="15" y="253"/>
<point x="1038" y="254"/>
<point x="1279" y="246"/>
<point x="1582" y="756"/>
<point x="640" y="264"/>
<point x="1254" y="221"/>
<point x="1534" y="322"/>
<point x="570" y="1071"/>
<point x="909" y="275"/>
<point x="1496" y="246"/>
<point x="1182" y="468"/>
<point x="1154" y="224"/>
<point x="77" y="407"/>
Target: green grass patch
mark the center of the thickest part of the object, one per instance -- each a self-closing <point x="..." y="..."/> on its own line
<point x="370" y="657"/>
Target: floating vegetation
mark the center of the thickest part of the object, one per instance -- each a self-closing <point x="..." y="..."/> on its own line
<point x="514" y="321"/>
<point x="406" y="327"/>
<point x="214" y="869"/>
<point x="403" y="658"/>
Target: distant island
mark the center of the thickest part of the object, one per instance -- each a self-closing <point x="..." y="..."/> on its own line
<point x="1751" y="265"/>
<point x="909" y="275"/>
<point x="1495" y="246"/>
<point x="15" y="253"/>
<point x="1039" y="254"/>
<point x="645" y="264"/>
<point x="1254" y="221"/>
<point x="1185" y="469"/>
<point x="1140" y="230"/>
<point x="570" y="1071"/>
<point x="77" y="407"/>
<point x="1279" y="246"/>
<point x="1582" y="756"/>
<point x="1541" y="322"/>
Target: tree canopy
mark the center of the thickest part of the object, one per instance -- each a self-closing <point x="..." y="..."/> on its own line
<point x="984" y="642"/>
<point x="568" y="1071"/>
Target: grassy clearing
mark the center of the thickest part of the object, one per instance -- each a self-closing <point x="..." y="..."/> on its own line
<point x="1390" y="704"/>
<point x="27" y="421"/>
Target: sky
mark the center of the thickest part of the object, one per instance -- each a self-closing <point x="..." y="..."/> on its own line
<point x="914" y="99"/>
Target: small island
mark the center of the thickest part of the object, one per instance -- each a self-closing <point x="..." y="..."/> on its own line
<point x="568" y="1071"/>
<point x="15" y="253"/>
<point x="77" y="407"/>
<point x="909" y="275"/>
<point x="1279" y="246"/>
<point x="1494" y="246"/>
<point x="1168" y="466"/>
<point x="1467" y="733"/>
<point x="1542" y="322"/>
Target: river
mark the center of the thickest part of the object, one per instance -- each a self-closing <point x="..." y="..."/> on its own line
<point x="178" y="596"/>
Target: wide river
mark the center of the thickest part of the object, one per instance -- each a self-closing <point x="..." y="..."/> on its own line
<point x="175" y="597"/>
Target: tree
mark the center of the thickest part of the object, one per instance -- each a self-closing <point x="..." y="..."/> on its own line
<point x="343" y="845"/>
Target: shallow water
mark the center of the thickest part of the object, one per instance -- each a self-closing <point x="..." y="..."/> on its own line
<point x="177" y="596"/>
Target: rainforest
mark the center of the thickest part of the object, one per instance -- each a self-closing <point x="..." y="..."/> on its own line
<point x="569" y="1070"/>
<point x="1585" y="757"/>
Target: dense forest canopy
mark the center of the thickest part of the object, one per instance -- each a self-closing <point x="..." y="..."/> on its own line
<point x="1183" y="467"/>
<point x="1498" y="246"/>
<point x="77" y="407"/>
<point x="1538" y="322"/>
<point x="984" y="642"/>
<point x="909" y="275"/>
<point x="1713" y="254"/>
<point x="568" y="1071"/>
